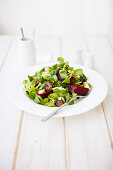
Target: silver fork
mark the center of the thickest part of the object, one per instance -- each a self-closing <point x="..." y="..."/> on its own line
<point x="59" y="108"/>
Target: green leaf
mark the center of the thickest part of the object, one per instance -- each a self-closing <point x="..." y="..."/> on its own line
<point x="30" y="78"/>
<point x="50" y="79"/>
<point x="53" y="96"/>
<point x="26" y="84"/>
<point x="60" y="59"/>
<point x="64" y="85"/>
<point x="33" y="84"/>
<point x="45" y="101"/>
<point x="63" y="74"/>
<point x="54" y="67"/>
<point x="58" y="83"/>
<point x="46" y="75"/>
<point x="78" y="72"/>
<point x="89" y="85"/>
<point x="41" y="71"/>
<point x="50" y="104"/>
<point x="66" y="66"/>
<point x="67" y="80"/>
<point x="53" y="72"/>
<point x="67" y="97"/>
<point x="72" y="102"/>
<point x="38" y="99"/>
<point x="83" y="76"/>
<point x="67" y="63"/>
<point x="40" y="79"/>
<point x="31" y="95"/>
<point x="70" y="68"/>
<point x="59" y="91"/>
<point x="73" y="95"/>
<point x="60" y="65"/>
<point x="77" y="83"/>
<point x="55" y="78"/>
<point x="40" y="86"/>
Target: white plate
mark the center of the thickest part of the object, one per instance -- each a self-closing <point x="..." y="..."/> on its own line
<point x="19" y="98"/>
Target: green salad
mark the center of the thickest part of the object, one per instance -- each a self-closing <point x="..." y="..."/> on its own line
<point x="56" y="85"/>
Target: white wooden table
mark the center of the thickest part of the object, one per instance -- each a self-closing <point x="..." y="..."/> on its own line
<point x="81" y="142"/>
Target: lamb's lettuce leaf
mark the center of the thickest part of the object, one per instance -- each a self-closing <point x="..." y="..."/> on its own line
<point x="53" y="96"/>
<point x="78" y="72"/>
<point x="63" y="74"/>
<point x="38" y="99"/>
<point x="30" y="78"/>
<point x="60" y="59"/>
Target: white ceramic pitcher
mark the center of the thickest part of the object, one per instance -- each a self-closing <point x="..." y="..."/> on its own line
<point x="26" y="53"/>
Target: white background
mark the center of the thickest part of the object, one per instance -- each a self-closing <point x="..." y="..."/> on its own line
<point x="82" y="142"/>
<point x="57" y="17"/>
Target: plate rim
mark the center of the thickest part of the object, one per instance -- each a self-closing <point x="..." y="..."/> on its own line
<point x="57" y="115"/>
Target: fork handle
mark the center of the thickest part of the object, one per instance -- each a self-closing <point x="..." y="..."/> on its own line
<point x="56" y="110"/>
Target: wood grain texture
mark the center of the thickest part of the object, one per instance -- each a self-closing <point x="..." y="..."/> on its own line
<point x="9" y="115"/>
<point x="105" y="114"/>
<point x="18" y="141"/>
<point x="42" y="145"/>
<point x="80" y="142"/>
<point x="86" y="133"/>
<point x="103" y="59"/>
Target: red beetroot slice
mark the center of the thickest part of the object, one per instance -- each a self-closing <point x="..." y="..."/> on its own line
<point x="78" y="89"/>
<point x="72" y="80"/>
<point x="58" y="75"/>
<point x="45" y="94"/>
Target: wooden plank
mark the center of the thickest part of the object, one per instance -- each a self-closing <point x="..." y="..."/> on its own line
<point x="88" y="142"/>
<point x="80" y="142"/>
<point x="104" y="64"/>
<point x="42" y="145"/>
<point x="9" y="115"/>
<point x="87" y="139"/>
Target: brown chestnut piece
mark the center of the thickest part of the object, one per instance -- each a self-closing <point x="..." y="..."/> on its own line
<point x="59" y="103"/>
<point x="48" y="85"/>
